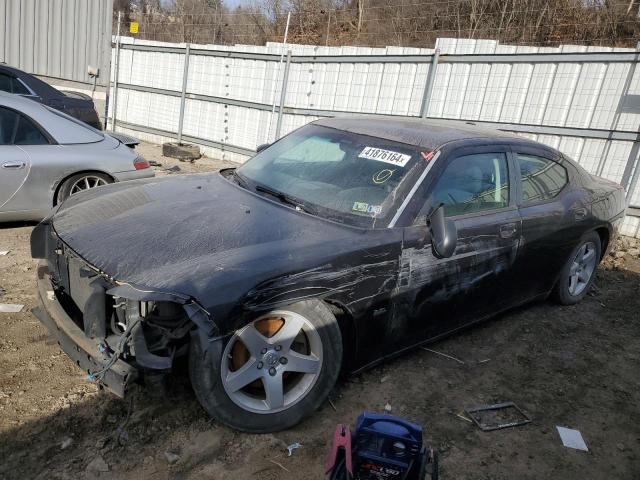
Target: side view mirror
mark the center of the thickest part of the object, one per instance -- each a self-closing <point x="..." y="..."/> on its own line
<point x="444" y="235"/>
<point x="259" y="148"/>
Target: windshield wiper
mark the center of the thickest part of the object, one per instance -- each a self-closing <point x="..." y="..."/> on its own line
<point x="283" y="197"/>
<point x="240" y="179"/>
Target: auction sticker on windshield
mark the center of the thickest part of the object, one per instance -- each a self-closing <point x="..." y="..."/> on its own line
<point x="387" y="156"/>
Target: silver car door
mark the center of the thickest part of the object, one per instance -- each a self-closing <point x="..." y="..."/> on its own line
<point x="14" y="168"/>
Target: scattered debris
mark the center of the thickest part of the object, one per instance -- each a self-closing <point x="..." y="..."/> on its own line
<point x="572" y="438"/>
<point x="443" y="355"/>
<point x="97" y="465"/>
<point x="66" y="443"/>
<point x="484" y="361"/>
<point x="51" y="295"/>
<point x="280" y="465"/>
<point x="497" y="416"/>
<point x="171" y="457"/>
<point x="332" y="405"/>
<point x="181" y="151"/>
<point x="292" y="447"/>
<point x="148" y="465"/>
<point x="387" y="408"/>
<point x="621" y="251"/>
<point x="173" y="169"/>
<point x="4" y="252"/>
<point x="384" y="379"/>
<point x="464" y="417"/>
<point x="10" y="308"/>
<point x="2" y="291"/>
<point x="153" y="163"/>
<point x="122" y="436"/>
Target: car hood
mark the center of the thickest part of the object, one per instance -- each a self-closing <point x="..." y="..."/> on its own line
<point x="195" y="235"/>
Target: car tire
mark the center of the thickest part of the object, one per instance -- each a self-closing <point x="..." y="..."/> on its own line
<point x="579" y="271"/>
<point x="244" y="408"/>
<point x="72" y="184"/>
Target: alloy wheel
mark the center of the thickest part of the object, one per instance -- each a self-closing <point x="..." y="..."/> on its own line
<point x="85" y="183"/>
<point x="272" y="363"/>
<point x="582" y="268"/>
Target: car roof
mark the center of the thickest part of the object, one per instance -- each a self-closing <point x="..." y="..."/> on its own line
<point x="9" y="69"/>
<point x="64" y="129"/>
<point x="426" y="133"/>
<point x="27" y="106"/>
<point x="41" y="88"/>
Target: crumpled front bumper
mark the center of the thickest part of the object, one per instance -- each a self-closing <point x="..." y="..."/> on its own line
<point x="73" y="341"/>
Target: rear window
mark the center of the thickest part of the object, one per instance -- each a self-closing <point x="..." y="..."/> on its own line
<point x="69" y="130"/>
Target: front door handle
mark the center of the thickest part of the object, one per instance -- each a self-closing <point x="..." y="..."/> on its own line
<point x="14" y="165"/>
<point x="507" y="230"/>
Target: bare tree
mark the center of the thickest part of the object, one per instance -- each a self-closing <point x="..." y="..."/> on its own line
<point x="391" y="22"/>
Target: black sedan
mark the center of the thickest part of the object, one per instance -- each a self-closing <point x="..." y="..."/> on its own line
<point x="342" y="244"/>
<point x="76" y="104"/>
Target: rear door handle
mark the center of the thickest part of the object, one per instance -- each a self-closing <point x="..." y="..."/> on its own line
<point x="14" y="165"/>
<point x="507" y="230"/>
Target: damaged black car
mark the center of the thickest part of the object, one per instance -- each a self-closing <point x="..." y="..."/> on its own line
<point x="344" y="243"/>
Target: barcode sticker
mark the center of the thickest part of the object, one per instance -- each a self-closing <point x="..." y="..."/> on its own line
<point x="387" y="156"/>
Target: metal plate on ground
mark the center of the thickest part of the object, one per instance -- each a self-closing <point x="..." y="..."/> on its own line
<point x="497" y="416"/>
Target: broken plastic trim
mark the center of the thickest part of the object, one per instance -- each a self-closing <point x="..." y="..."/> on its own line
<point x="143" y="356"/>
<point x="128" y="291"/>
<point x="207" y="330"/>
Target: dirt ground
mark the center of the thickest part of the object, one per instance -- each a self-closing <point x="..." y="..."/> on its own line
<point x="569" y="366"/>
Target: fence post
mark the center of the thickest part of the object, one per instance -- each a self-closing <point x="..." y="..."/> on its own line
<point x="115" y="86"/>
<point x="185" y="75"/>
<point x="428" y="87"/>
<point x="283" y="94"/>
<point x="115" y="83"/>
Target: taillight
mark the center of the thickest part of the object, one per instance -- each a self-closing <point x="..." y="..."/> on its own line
<point x="140" y="163"/>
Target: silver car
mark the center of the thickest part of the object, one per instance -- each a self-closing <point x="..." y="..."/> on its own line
<point x="46" y="156"/>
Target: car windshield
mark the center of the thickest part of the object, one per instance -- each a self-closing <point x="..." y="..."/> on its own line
<point x="345" y="176"/>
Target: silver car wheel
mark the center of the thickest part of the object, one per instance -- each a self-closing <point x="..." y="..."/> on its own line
<point x="85" y="183"/>
<point x="582" y="268"/>
<point x="272" y="363"/>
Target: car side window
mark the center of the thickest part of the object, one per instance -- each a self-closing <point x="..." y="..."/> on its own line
<point x="18" y="130"/>
<point x="8" y="123"/>
<point x="28" y="134"/>
<point x="542" y="179"/>
<point x="12" y="85"/>
<point x="471" y="183"/>
<point x="18" y="87"/>
<point x="5" y="83"/>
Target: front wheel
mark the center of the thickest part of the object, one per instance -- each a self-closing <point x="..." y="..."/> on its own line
<point x="271" y="373"/>
<point x="579" y="271"/>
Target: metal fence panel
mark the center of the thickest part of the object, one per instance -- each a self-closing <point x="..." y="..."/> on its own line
<point x="57" y="38"/>
<point x="582" y="100"/>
